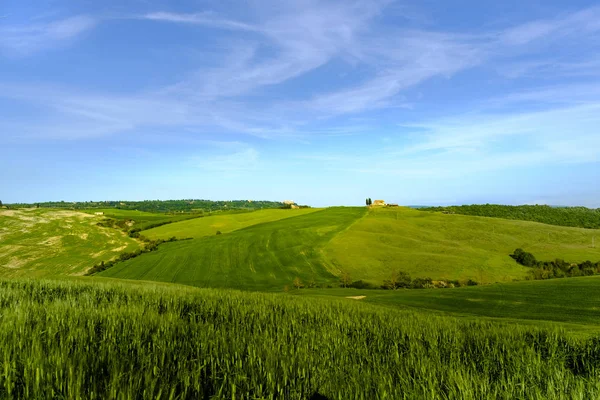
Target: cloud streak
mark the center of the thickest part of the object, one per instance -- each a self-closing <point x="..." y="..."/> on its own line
<point x="26" y="39"/>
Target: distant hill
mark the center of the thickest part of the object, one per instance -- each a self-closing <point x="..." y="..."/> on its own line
<point x="580" y="217"/>
<point x="186" y="205"/>
<point x="367" y="244"/>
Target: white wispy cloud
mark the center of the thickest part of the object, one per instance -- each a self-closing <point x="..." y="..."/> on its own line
<point x="578" y="23"/>
<point x="273" y="48"/>
<point x="205" y="18"/>
<point x="25" y="39"/>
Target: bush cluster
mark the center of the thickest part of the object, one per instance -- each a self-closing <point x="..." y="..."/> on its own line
<point x="554" y="269"/>
<point x="402" y="280"/>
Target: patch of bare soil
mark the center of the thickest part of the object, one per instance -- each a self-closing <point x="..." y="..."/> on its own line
<point x="15" y="262"/>
<point x="51" y="241"/>
<point x="356" y="297"/>
<point x="9" y="213"/>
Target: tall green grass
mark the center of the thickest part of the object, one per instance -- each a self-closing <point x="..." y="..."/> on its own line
<point x="111" y="341"/>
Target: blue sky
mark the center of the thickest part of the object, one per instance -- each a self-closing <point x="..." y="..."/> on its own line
<point x="323" y="102"/>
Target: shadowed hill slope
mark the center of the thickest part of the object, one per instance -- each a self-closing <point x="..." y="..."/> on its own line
<point x="266" y="256"/>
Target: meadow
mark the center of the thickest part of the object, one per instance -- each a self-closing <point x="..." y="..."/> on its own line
<point x="142" y="220"/>
<point x="318" y="246"/>
<point x="266" y="256"/>
<point x="42" y="242"/>
<point x="98" y="339"/>
<point x="130" y="332"/>
<point x="222" y="222"/>
<point x="442" y="246"/>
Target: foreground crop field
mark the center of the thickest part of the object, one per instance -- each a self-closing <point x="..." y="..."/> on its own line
<point x="109" y="340"/>
<point x="208" y="226"/>
<point x="41" y="242"/>
<point x="443" y="246"/>
<point x="266" y="256"/>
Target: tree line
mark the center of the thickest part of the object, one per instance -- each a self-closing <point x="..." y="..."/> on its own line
<point x="580" y="217"/>
<point x="186" y="205"/>
<point x="397" y="280"/>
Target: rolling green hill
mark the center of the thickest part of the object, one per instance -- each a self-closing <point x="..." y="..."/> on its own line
<point x="444" y="246"/>
<point x="42" y="242"/>
<point x="319" y="246"/>
<point x="209" y="225"/>
<point x="265" y="256"/>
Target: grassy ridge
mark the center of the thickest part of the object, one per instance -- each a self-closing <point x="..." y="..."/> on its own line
<point x="451" y="246"/>
<point x="266" y="256"/>
<point x="41" y="242"/>
<point x="580" y="217"/>
<point x="109" y="340"/>
<point x="209" y="226"/>
<point x="568" y="301"/>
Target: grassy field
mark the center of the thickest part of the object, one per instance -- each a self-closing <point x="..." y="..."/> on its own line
<point x="144" y="220"/>
<point x="266" y="256"/>
<point x="571" y="302"/>
<point x="110" y="340"/>
<point x="444" y="246"/>
<point x="42" y="242"/>
<point x="208" y="226"/>
<point x="318" y="246"/>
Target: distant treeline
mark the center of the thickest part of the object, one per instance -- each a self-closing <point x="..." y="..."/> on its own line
<point x="189" y="205"/>
<point x="554" y="269"/>
<point x="581" y="217"/>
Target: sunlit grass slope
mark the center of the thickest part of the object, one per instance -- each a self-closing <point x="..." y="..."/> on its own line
<point x="142" y="219"/>
<point x="444" y="246"/>
<point x="110" y="340"/>
<point x="42" y="242"/>
<point x="209" y="225"/>
<point x="569" y="300"/>
<point x="266" y="256"/>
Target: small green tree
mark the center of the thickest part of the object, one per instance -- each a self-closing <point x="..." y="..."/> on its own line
<point x="398" y="279"/>
<point x="298" y="283"/>
<point x="345" y="279"/>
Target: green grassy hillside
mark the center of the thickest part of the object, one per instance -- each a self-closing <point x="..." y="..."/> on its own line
<point x="110" y="340"/>
<point x="573" y="301"/>
<point x="209" y="226"/>
<point x="444" y="246"/>
<point x="42" y="242"/>
<point x="266" y="256"/>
